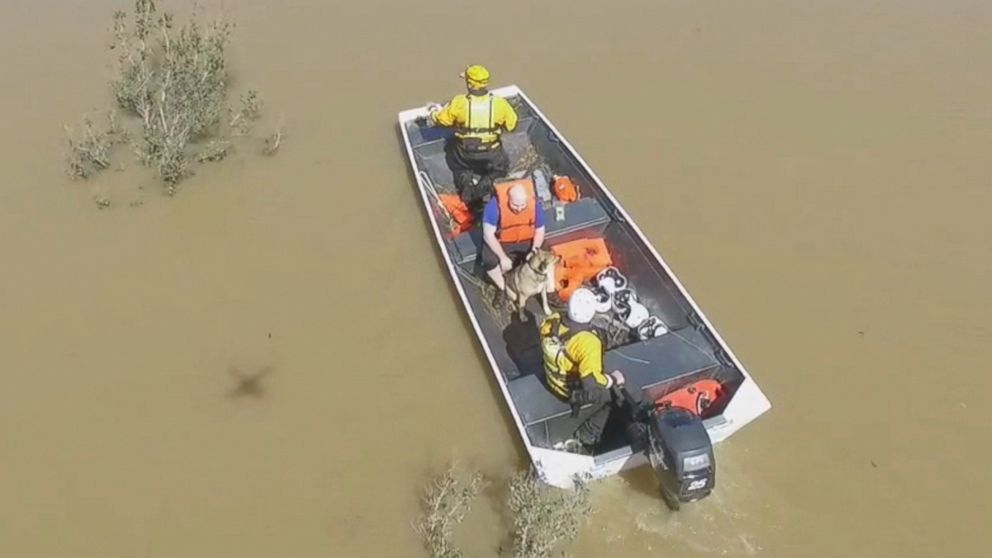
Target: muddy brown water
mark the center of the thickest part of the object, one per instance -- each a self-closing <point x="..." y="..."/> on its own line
<point x="817" y="174"/>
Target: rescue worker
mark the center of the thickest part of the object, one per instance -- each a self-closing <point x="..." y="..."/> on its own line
<point x="512" y="225"/>
<point x="573" y="364"/>
<point x="475" y="153"/>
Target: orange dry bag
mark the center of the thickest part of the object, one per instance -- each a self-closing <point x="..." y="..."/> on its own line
<point x="564" y="189"/>
<point x="695" y="397"/>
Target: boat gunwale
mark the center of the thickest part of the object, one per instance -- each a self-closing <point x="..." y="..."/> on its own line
<point x="404" y="118"/>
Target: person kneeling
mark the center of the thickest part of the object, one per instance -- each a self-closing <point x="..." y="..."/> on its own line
<point x="573" y="364"/>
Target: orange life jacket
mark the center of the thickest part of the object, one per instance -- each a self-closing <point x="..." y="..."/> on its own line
<point x="579" y="261"/>
<point x="695" y="397"/>
<point x="516" y="227"/>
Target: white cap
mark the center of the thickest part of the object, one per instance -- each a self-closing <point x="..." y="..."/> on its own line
<point x="582" y="306"/>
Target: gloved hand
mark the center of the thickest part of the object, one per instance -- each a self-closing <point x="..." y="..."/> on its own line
<point x="428" y="119"/>
<point x="578" y="397"/>
<point x="618" y="377"/>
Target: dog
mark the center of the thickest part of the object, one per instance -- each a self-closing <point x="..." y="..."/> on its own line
<point x="531" y="278"/>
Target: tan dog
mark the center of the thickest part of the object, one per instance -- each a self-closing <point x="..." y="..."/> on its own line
<point x="531" y="278"/>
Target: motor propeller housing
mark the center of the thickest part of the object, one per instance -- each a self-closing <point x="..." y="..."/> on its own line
<point x="681" y="454"/>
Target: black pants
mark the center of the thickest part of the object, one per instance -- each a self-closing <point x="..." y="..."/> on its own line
<point x="591" y="429"/>
<point x="474" y="173"/>
<point x="513" y="251"/>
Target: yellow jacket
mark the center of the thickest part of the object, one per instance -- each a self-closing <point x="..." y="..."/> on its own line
<point x="566" y="353"/>
<point x="478" y="117"/>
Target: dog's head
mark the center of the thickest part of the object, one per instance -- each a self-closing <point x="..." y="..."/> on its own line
<point x="542" y="260"/>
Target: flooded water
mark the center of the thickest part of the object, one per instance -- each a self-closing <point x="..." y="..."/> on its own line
<point x="816" y="173"/>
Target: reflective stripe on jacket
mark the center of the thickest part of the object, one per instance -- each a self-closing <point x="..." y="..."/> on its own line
<point x="575" y="354"/>
<point x="478" y="119"/>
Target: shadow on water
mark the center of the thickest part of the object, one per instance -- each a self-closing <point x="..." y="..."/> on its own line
<point x="497" y="394"/>
<point x="248" y="385"/>
<point x="643" y="481"/>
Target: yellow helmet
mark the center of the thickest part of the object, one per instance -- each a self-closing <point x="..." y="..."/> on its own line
<point x="476" y="75"/>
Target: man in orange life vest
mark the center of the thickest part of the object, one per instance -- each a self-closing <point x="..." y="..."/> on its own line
<point x="512" y="224"/>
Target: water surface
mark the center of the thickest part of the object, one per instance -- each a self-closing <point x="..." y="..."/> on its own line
<point x="816" y="173"/>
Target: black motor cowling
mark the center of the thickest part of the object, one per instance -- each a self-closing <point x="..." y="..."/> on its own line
<point x="681" y="454"/>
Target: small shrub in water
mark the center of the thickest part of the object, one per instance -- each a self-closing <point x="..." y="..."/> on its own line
<point x="173" y="80"/>
<point x="251" y="108"/>
<point x="216" y="150"/>
<point x="544" y="517"/>
<point x="176" y="85"/>
<point x="447" y="501"/>
<point x="273" y="143"/>
<point x="90" y="148"/>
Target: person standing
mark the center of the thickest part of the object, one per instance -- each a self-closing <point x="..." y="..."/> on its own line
<point x="475" y="153"/>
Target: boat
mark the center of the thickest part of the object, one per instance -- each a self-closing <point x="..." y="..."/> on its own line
<point x="686" y="351"/>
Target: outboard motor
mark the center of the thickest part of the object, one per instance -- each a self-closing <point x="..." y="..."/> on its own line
<point x="681" y="454"/>
<point x="677" y="446"/>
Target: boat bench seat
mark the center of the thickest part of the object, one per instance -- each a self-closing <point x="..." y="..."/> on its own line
<point x="644" y="364"/>
<point x="579" y="215"/>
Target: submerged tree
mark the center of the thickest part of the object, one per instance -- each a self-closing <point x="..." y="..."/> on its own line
<point x="173" y="80"/>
